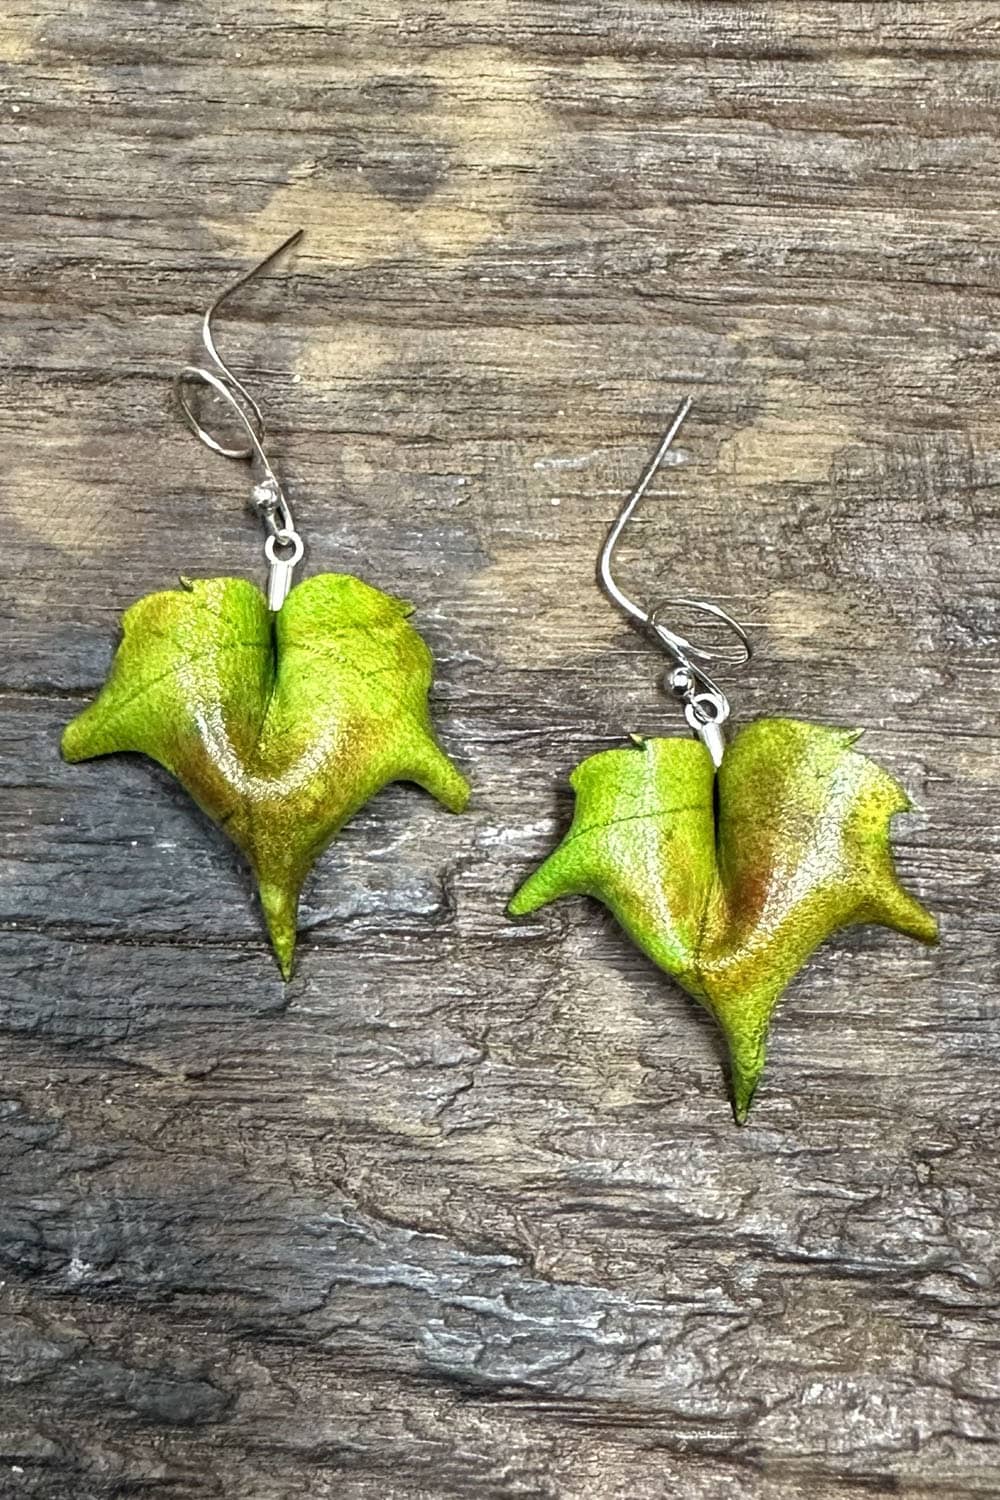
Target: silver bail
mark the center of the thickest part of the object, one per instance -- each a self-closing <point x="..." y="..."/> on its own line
<point x="705" y="712"/>
<point x="281" y="570"/>
<point x="709" y="731"/>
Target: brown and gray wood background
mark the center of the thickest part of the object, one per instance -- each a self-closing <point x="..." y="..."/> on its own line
<point x="462" y="1211"/>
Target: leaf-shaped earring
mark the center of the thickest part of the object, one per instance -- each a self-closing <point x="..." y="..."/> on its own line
<point x="728" y="866"/>
<point x="281" y="716"/>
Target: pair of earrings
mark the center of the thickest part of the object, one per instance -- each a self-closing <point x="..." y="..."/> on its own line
<point x="282" y="715"/>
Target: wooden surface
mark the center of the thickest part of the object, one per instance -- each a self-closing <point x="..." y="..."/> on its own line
<point x="462" y="1211"/>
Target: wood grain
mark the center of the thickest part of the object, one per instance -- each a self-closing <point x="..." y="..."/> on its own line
<point x="461" y="1211"/>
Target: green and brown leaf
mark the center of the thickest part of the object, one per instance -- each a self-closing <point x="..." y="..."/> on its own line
<point x="279" y="726"/>
<point x="732" y="901"/>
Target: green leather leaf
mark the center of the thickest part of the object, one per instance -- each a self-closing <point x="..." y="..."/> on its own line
<point x="730" y="883"/>
<point x="279" y="726"/>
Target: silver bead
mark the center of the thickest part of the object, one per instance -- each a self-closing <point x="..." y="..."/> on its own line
<point x="680" y="681"/>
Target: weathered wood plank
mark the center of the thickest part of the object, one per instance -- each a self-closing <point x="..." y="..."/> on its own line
<point x="461" y="1210"/>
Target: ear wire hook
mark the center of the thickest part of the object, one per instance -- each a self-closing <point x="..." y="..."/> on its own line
<point x="268" y="498"/>
<point x="706" y="707"/>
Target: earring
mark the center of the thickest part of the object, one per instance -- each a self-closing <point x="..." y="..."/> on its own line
<point x="728" y="866"/>
<point x="281" y="716"/>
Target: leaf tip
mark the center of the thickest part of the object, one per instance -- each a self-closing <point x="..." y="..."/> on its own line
<point x="525" y="899"/>
<point x="69" y="746"/>
<point x="458" y="795"/>
<point x="559" y="875"/>
<point x="893" y="906"/>
<point x="747" y="1055"/>
<point x="917" y="922"/>
<point x="281" y="907"/>
<point x="743" y="1092"/>
<point x="439" y="776"/>
<point x="82" y="737"/>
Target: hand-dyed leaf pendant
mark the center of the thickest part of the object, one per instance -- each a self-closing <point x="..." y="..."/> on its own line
<point x="728" y="866"/>
<point x="280" y="716"/>
<point x="280" y="726"/>
<point x="732" y="901"/>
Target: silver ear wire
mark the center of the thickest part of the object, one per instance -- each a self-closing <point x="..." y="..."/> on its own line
<point x="268" y="498"/>
<point x="706" y="707"/>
